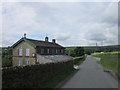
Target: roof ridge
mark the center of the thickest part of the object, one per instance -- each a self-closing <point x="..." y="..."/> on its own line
<point x="44" y="42"/>
<point x="36" y="43"/>
<point x="41" y="41"/>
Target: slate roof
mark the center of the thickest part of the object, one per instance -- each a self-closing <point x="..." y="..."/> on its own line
<point x="38" y="43"/>
<point x="44" y="43"/>
<point x="58" y="58"/>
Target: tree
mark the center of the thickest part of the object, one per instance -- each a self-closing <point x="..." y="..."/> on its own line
<point x="79" y="51"/>
<point x="70" y="52"/>
<point x="6" y="57"/>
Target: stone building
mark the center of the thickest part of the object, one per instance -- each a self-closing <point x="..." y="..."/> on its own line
<point x="29" y="52"/>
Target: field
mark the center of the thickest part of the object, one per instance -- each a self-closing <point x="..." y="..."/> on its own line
<point x="110" y="61"/>
<point x="92" y="49"/>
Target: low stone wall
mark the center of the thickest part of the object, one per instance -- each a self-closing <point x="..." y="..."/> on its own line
<point x="32" y="76"/>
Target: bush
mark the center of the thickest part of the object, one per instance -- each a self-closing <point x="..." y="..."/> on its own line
<point x="79" y="51"/>
<point x="74" y="51"/>
<point x="6" y="57"/>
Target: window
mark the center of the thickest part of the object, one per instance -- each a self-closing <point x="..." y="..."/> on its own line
<point x="56" y="51"/>
<point x="20" y="51"/>
<point x="19" y="62"/>
<point x="27" y="62"/>
<point x="42" y="51"/>
<point x="53" y="51"/>
<point x="61" y="50"/>
<point x="27" y="52"/>
<point x="48" y="50"/>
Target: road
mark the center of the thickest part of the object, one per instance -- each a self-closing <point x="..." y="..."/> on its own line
<point x="91" y="75"/>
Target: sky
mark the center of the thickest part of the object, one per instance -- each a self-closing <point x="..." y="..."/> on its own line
<point x="70" y="23"/>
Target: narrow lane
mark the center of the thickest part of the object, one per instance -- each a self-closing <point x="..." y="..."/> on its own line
<point x="91" y="75"/>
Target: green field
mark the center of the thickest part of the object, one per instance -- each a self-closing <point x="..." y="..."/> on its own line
<point x="110" y="61"/>
<point x="92" y="49"/>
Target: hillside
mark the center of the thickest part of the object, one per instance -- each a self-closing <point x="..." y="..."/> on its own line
<point x="91" y="49"/>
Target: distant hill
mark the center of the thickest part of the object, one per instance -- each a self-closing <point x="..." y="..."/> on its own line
<point x="92" y="49"/>
<point x="94" y="46"/>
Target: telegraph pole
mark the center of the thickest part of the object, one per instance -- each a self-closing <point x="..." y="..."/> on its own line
<point x="96" y="47"/>
<point x="96" y="44"/>
<point x="102" y="43"/>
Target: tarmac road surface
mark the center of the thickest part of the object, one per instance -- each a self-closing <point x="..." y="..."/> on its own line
<point x="91" y="75"/>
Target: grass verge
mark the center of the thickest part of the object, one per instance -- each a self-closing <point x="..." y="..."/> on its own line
<point x="58" y="78"/>
<point x="53" y="82"/>
<point x="79" y="60"/>
<point x="110" y="61"/>
<point x="79" y="57"/>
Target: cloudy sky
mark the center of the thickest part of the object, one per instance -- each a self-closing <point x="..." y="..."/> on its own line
<point x="70" y="23"/>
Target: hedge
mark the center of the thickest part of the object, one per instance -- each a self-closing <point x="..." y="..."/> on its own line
<point x="78" y="59"/>
<point x="32" y="76"/>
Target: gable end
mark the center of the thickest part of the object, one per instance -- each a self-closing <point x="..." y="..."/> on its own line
<point x="23" y="39"/>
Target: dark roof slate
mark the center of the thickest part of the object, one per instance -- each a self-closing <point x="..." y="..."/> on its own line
<point x="44" y="43"/>
<point x="38" y="43"/>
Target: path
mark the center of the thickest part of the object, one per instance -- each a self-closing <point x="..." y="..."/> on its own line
<point x="91" y="75"/>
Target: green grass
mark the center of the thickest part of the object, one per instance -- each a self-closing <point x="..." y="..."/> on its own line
<point x="57" y="79"/>
<point x="78" y="57"/>
<point x="109" y="61"/>
<point x="62" y="76"/>
<point x="80" y="62"/>
<point x="117" y="52"/>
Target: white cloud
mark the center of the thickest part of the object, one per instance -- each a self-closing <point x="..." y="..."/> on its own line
<point x="60" y="0"/>
<point x="69" y="23"/>
<point x="17" y="20"/>
<point x="111" y="13"/>
<point x="62" y="36"/>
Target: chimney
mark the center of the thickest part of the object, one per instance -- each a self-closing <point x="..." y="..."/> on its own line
<point x="24" y="35"/>
<point x="46" y="39"/>
<point x="53" y="41"/>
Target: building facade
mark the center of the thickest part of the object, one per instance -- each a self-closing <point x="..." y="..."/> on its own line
<point x="29" y="52"/>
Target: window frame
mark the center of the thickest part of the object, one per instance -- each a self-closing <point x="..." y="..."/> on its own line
<point x="62" y="51"/>
<point x="56" y="51"/>
<point x="42" y="51"/>
<point x="20" y="51"/>
<point x="27" y="51"/>
<point x="53" y="51"/>
<point x="48" y="50"/>
<point x="27" y="62"/>
<point x="20" y="62"/>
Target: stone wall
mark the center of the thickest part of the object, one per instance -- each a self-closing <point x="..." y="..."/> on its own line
<point x="23" y="45"/>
